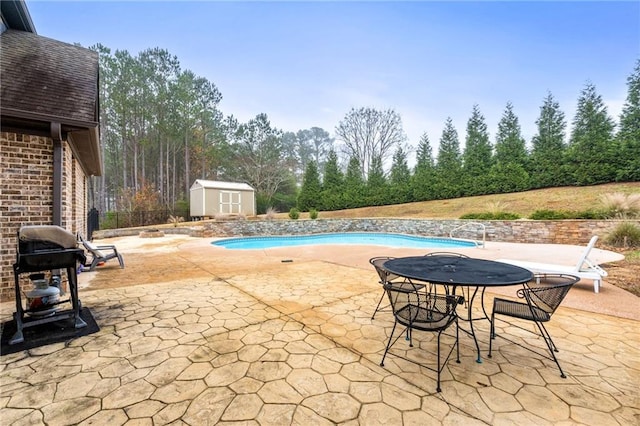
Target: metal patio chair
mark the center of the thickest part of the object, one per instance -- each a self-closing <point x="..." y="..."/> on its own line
<point x="542" y="296"/>
<point x="411" y="310"/>
<point x="454" y="255"/>
<point x="386" y="277"/>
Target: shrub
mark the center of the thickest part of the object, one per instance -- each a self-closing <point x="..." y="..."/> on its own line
<point x="633" y="256"/>
<point x="549" y="215"/>
<point x="182" y="206"/>
<point x="175" y="220"/>
<point x="505" y="216"/>
<point x="271" y="213"/>
<point x="471" y="216"/>
<point x="294" y="213"/>
<point x="564" y="214"/>
<point x="313" y="214"/>
<point x="491" y="216"/>
<point x="591" y="214"/>
<point x="110" y="221"/>
<point x="625" y="235"/>
<point x="496" y="207"/>
<point x="619" y="205"/>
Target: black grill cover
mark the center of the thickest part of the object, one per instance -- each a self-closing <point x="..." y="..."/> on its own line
<point x="36" y="238"/>
<point x="42" y="247"/>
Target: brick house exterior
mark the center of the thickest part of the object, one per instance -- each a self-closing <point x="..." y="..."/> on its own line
<point x="49" y="133"/>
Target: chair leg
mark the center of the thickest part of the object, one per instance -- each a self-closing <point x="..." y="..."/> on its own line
<point x="492" y="331"/>
<point x="466" y="297"/>
<point x="438" y="389"/>
<point x="94" y="263"/>
<point x="378" y="306"/>
<point x="457" y="341"/>
<point x="550" y="345"/>
<point x="389" y="344"/>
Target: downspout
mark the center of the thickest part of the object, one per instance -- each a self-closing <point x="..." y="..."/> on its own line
<point x="56" y="135"/>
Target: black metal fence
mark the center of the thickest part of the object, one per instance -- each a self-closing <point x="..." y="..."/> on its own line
<point x="93" y="222"/>
<point x="112" y="220"/>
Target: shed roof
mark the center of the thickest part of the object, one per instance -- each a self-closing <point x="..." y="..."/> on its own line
<point x="237" y="186"/>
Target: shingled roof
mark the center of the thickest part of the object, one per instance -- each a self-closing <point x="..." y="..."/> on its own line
<point x="47" y="84"/>
<point x="48" y="77"/>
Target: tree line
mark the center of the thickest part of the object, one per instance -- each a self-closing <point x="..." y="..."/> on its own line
<point x="162" y="128"/>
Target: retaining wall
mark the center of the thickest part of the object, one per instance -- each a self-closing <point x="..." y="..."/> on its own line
<point x="523" y="231"/>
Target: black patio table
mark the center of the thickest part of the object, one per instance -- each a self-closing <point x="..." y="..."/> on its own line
<point x="452" y="272"/>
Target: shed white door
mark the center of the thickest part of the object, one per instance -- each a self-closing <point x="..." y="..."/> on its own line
<point x="230" y="202"/>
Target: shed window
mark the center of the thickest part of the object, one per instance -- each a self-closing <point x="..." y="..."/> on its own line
<point x="230" y="202"/>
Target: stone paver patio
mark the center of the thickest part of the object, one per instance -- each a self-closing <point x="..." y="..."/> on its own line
<point x="262" y="342"/>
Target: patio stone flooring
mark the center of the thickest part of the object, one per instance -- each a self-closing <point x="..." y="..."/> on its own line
<point x="294" y="343"/>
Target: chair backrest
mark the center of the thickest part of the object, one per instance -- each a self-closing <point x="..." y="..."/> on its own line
<point x="90" y="246"/>
<point x="585" y="254"/>
<point x="446" y="253"/>
<point x="547" y="291"/>
<point x="385" y="276"/>
<point x="405" y="300"/>
<point x="411" y="306"/>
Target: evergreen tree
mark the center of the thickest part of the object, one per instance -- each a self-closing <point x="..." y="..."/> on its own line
<point x="309" y="197"/>
<point x="354" y="185"/>
<point x="546" y="166"/>
<point x="478" y="155"/>
<point x="286" y="196"/>
<point x="332" y="184"/>
<point x="510" y="145"/>
<point x="449" y="166"/>
<point x="629" y="133"/>
<point x="592" y="152"/>
<point x="424" y="171"/>
<point x="400" y="179"/>
<point x="377" y="191"/>
<point x="509" y="174"/>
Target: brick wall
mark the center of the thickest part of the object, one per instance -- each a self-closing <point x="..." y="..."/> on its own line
<point x="76" y="184"/>
<point x="26" y="195"/>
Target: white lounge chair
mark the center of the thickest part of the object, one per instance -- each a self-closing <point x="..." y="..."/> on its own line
<point x="99" y="254"/>
<point x="584" y="268"/>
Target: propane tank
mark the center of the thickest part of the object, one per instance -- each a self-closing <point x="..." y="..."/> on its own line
<point x="43" y="299"/>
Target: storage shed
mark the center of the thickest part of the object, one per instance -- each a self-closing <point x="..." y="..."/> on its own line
<point x="208" y="198"/>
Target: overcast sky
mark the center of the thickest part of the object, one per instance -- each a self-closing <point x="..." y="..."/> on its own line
<point x="307" y="64"/>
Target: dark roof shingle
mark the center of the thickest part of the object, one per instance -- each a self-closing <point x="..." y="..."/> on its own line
<point x="48" y="77"/>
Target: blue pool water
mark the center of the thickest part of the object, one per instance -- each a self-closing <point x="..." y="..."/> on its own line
<point x="354" y="238"/>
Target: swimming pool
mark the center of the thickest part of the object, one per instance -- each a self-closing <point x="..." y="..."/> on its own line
<point x="352" y="238"/>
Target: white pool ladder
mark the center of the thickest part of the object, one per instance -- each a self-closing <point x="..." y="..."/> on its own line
<point x="469" y="224"/>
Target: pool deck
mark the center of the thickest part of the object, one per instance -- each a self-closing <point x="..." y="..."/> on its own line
<point x="193" y="334"/>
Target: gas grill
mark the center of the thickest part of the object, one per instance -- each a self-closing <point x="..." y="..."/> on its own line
<point x="44" y="248"/>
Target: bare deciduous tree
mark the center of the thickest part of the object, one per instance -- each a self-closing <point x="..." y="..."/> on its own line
<point x="258" y="156"/>
<point x="368" y="134"/>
